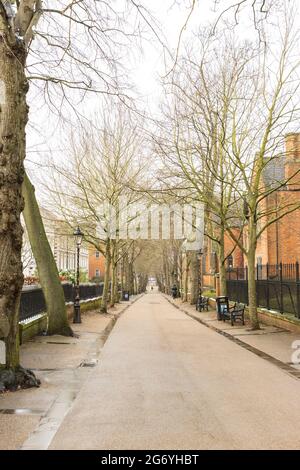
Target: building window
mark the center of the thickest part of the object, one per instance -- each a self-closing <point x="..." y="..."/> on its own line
<point x="213" y="261"/>
<point x="97" y="254"/>
<point x="97" y="273"/>
<point x="259" y="260"/>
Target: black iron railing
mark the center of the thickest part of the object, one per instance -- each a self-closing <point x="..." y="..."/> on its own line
<point x="33" y="301"/>
<point x="277" y="287"/>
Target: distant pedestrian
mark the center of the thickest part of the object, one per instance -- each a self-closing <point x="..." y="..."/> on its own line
<point x="174" y="291"/>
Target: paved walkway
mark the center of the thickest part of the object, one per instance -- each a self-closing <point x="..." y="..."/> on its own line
<point x="164" y="381"/>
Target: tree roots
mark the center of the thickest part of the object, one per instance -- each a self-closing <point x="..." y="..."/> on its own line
<point x="15" y="379"/>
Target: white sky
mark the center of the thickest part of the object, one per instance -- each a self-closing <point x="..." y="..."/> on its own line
<point x="146" y="70"/>
<point x="147" y="67"/>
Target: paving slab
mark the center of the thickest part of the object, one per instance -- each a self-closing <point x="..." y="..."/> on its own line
<point x="15" y="429"/>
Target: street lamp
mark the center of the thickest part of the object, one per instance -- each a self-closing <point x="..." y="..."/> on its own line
<point x="199" y="257"/>
<point x="77" y="317"/>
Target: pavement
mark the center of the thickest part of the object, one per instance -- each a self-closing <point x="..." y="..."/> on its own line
<point x="271" y="340"/>
<point x="164" y="381"/>
<point x="63" y="365"/>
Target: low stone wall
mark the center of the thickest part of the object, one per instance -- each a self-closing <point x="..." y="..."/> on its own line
<point x="85" y="305"/>
<point x="32" y="327"/>
<point x="280" y="320"/>
<point x="272" y="318"/>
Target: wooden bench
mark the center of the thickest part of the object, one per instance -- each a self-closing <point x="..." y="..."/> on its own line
<point x="202" y="303"/>
<point x="236" y="312"/>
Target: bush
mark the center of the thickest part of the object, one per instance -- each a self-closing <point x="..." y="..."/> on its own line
<point x="31" y="280"/>
<point x="69" y="275"/>
<point x="96" y="279"/>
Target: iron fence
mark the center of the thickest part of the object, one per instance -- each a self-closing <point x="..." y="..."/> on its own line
<point x="277" y="286"/>
<point x="33" y="301"/>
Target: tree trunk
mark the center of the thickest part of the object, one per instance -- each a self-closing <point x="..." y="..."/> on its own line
<point x="105" y="293"/>
<point x="116" y="289"/>
<point x="113" y="276"/>
<point x="131" y="280"/>
<point x="47" y="269"/>
<point x="194" y="277"/>
<point x="126" y="272"/>
<point x="113" y="283"/>
<point x="223" y="287"/>
<point x="180" y="275"/>
<point x="251" y="277"/>
<point x="122" y="274"/>
<point x="175" y="269"/>
<point x="186" y="279"/>
<point x="13" y="120"/>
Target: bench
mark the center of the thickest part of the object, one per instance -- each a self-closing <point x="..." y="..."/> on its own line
<point x="202" y="303"/>
<point x="236" y="312"/>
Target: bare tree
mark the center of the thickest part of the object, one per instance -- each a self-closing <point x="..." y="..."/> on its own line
<point x="57" y="59"/>
<point x="47" y="269"/>
<point x="93" y="186"/>
<point x="197" y="120"/>
<point x="27" y="255"/>
<point x="258" y="107"/>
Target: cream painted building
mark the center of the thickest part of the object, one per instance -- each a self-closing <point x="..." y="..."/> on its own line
<point x="62" y="244"/>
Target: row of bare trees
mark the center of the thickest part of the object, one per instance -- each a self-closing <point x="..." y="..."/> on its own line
<point x="92" y="188"/>
<point x="65" y="50"/>
<point x="228" y="107"/>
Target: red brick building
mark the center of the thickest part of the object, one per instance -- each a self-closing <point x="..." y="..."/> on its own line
<point x="96" y="263"/>
<point x="280" y="242"/>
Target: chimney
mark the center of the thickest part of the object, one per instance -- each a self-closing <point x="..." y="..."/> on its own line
<point x="292" y="160"/>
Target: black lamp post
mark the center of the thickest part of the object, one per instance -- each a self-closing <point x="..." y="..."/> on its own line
<point x="199" y="257"/>
<point x="77" y="317"/>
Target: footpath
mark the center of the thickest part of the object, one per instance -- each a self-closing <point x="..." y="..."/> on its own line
<point x="276" y="345"/>
<point x="30" y="418"/>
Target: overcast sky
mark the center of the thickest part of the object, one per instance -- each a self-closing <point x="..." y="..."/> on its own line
<point x="146" y="69"/>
